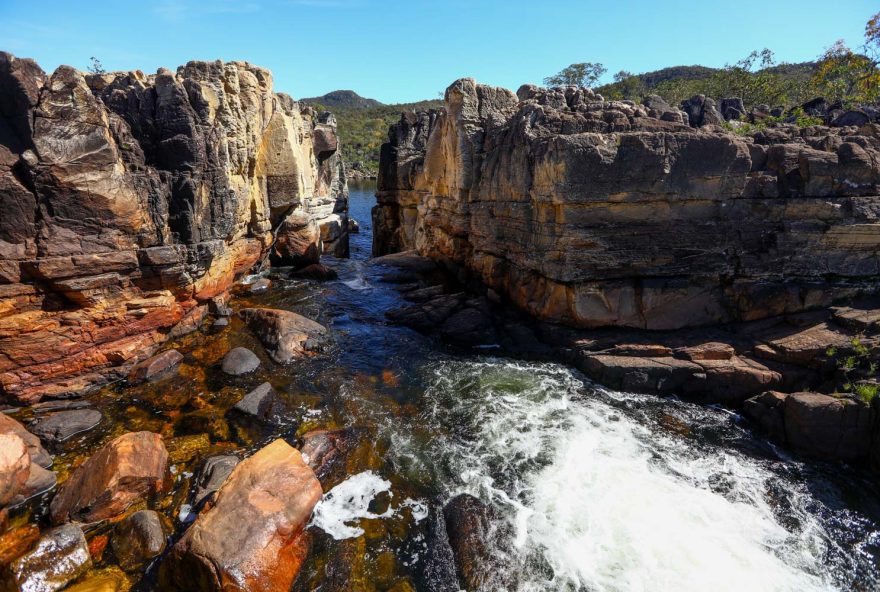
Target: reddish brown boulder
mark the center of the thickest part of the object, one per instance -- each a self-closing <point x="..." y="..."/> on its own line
<point x="298" y="241"/>
<point x="59" y="557"/>
<point x="38" y="454"/>
<point x="252" y="538"/>
<point x="155" y="367"/>
<point x="128" y="468"/>
<point x="15" y="467"/>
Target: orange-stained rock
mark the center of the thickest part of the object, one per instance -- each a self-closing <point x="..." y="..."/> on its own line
<point x="16" y="542"/>
<point x="15" y="467"/>
<point x="252" y="538"/>
<point x="128" y="468"/>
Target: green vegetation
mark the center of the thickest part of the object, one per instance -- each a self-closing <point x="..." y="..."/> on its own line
<point x="756" y="79"/>
<point x="362" y="131"/>
<point x="858" y="368"/>
<point x="585" y="74"/>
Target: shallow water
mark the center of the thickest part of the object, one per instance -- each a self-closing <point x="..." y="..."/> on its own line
<point x="595" y="490"/>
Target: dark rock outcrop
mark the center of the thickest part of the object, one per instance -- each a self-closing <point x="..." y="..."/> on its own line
<point x="129" y="201"/>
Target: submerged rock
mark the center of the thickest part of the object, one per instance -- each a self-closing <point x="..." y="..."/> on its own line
<point x="126" y="469"/>
<point x="285" y="334"/>
<point x="138" y="539"/>
<point x="63" y="425"/>
<point x="261" y="403"/>
<point x="211" y="477"/>
<point x="240" y="360"/>
<point x="155" y="367"/>
<point x="60" y="556"/>
<point x="317" y="272"/>
<point x="252" y="538"/>
<point x="438" y="568"/>
<point x="468" y="526"/>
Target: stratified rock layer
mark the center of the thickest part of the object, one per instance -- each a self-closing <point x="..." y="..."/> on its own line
<point x="594" y="213"/>
<point x="128" y="201"/>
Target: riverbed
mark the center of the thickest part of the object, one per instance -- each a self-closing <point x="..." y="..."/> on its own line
<point x="592" y="490"/>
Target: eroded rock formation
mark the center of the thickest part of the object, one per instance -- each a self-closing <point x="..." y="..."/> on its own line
<point x="130" y="200"/>
<point x="594" y="213"/>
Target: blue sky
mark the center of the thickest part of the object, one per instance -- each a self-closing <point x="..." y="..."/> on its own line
<point x="398" y="51"/>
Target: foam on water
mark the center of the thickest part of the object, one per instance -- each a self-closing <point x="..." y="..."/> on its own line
<point x="598" y="500"/>
<point x="349" y="502"/>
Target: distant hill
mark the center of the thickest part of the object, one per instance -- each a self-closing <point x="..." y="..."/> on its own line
<point x="679" y="82"/>
<point x="346" y="99"/>
<point x="363" y="129"/>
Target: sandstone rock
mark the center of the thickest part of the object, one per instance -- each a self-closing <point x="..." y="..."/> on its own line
<point x="828" y="427"/>
<point x="468" y="526"/>
<point x="298" y="241"/>
<point x="595" y="214"/>
<point x="640" y="374"/>
<point x="285" y="334"/>
<point x="36" y="451"/>
<point x="138" y="539"/>
<point x="155" y="367"/>
<point x="240" y="360"/>
<point x="63" y="425"/>
<point x="211" y="477"/>
<point x="768" y="411"/>
<point x="18" y="541"/>
<point x="323" y="450"/>
<point x="252" y="538"/>
<point x="156" y="192"/>
<point x="126" y="469"/>
<point x="15" y="467"/>
<point x="60" y="556"/>
<point x="261" y="403"/>
<point x="317" y="272"/>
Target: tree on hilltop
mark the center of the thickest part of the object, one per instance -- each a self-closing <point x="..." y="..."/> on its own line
<point x="585" y="74"/>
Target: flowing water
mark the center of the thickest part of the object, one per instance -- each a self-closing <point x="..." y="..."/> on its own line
<point x="593" y="490"/>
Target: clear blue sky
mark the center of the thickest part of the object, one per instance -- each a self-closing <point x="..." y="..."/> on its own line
<point x="397" y="51"/>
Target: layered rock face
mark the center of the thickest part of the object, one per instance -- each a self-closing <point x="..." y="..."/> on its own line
<point x="594" y="213"/>
<point x="128" y="201"/>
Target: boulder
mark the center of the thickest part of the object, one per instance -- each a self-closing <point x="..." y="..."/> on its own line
<point x="827" y="427"/>
<point x="468" y="526"/>
<point x="851" y="118"/>
<point x="315" y="271"/>
<point x="240" y="360"/>
<point x="15" y="467"/>
<point x="111" y="579"/>
<point x="138" y="539"/>
<point x="126" y="469"/>
<point x="38" y="454"/>
<point x="59" y="557"/>
<point x="253" y="537"/>
<point x="155" y="367"/>
<point x="326" y="450"/>
<point x="298" y="240"/>
<point x="285" y="334"/>
<point x="211" y="476"/>
<point x="63" y="425"/>
<point x="768" y="411"/>
<point x="261" y="403"/>
<point x="438" y="568"/>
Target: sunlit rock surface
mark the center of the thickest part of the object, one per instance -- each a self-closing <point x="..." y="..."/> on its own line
<point x="129" y="200"/>
<point x="607" y="213"/>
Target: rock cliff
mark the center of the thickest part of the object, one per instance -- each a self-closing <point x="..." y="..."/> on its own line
<point x="593" y="213"/>
<point x="131" y="200"/>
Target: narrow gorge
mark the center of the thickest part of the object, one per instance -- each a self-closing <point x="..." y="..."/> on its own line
<point x="564" y="343"/>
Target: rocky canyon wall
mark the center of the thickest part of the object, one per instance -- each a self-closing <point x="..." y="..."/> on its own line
<point x="604" y="213"/>
<point x="129" y="201"/>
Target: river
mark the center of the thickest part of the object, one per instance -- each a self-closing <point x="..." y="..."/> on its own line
<point x="594" y="490"/>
